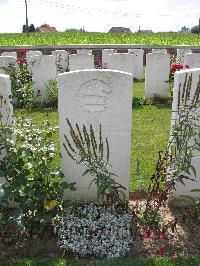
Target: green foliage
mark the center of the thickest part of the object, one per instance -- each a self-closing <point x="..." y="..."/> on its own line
<point x="21" y="83"/>
<point x="75" y="30"/>
<point x="86" y="150"/>
<point x="195" y="29"/>
<point x="52" y="90"/>
<point x="99" y="38"/>
<point x="45" y="25"/>
<point x="27" y="154"/>
<point x="31" y="28"/>
<point x="175" y="163"/>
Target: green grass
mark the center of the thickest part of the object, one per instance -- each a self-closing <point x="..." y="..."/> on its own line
<point x="150" y="132"/>
<point x="181" y="261"/>
<point x="99" y="38"/>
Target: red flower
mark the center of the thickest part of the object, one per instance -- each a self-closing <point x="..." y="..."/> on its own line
<point x="23" y="51"/>
<point x="134" y="197"/>
<point x="186" y="66"/>
<point x="147" y="235"/>
<point x="161" y="251"/>
<point x="174" y="257"/>
<point x="161" y="234"/>
<point x="175" y="67"/>
<point x="20" y="60"/>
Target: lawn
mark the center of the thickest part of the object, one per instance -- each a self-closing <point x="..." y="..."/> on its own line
<point x="150" y="132"/>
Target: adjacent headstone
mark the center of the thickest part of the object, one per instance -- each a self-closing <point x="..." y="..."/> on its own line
<point x="157" y="75"/>
<point x="81" y="61"/>
<point x="96" y="97"/>
<point x="61" y="60"/>
<point x="7" y="62"/>
<point x="192" y="60"/>
<point x="178" y="95"/>
<point x="32" y="53"/>
<point x="6" y="108"/>
<point x="122" y="62"/>
<point x="105" y="58"/>
<point x="159" y="51"/>
<point x="43" y="70"/>
<point x="14" y="54"/>
<point x="84" y="51"/>
<point x="138" y="70"/>
<point x="181" y="53"/>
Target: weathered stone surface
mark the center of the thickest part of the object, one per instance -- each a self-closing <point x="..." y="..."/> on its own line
<point x="43" y="70"/>
<point x="81" y="62"/>
<point x="84" y="51"/>
<point x="6" y="62"/>
<point x="14" y="54"/>
<point x="179" y="81"/>
<point x="105" y="58"/>
<point x="138" y="70"/>
<point x="32" y="53"/>
<point x="122" y="62"/>
<point x="96" y="97"/>
<point x="61" y="60"/>
<point x="159" y="51"/>
<point x="192" y="60"/>
<point x="157" y="75"/>
<point x="181" y="53"/>
<point x="6" y="108"/>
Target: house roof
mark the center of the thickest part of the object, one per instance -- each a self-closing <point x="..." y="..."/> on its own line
<point x="46" y="29"/>
<point x="119" y="29"/>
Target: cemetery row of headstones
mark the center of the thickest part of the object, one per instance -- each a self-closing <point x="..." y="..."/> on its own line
<point x="94" y="97"/>
<point x="44" y="68"/>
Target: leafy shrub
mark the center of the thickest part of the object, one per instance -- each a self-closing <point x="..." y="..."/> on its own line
<point x="86" y="150"/>
<point x="52" y="90"/>
<point x="21" y="81"/>
<point x="31" y="181"/>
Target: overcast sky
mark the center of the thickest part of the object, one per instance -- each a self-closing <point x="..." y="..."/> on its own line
<point x="101" y="15"/>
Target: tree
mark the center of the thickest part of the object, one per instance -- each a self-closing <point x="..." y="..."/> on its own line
<point x="195" y="29"/>
<point x="24" y="28"/>
<point x="185" y="29"/>
<point x="31" y="28"/>
<point x="45" y="25"/>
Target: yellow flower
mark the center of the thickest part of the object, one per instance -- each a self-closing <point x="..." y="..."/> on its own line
<point x="50" y="205"/>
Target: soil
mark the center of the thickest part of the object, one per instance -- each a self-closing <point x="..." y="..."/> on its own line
<point x="18" y="244"/>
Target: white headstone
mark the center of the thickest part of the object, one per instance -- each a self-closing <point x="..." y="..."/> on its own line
<point x="81" y="62"/>
<point x="105" y="58"/>
<point x="84" y="51"/>
<point x="94" y="97"/>
<point x="159" y="51"/>
<point x="179" y="80"/>
<point x="43" y="70"/>
<point x="192" y="60"/>
<point x="122" y="62"/>
<point x="6" y="108"/>
<point x="157" y="75"/>
<point x="181" y="53"/>
<point x="138" y="70"/>
<point x="6" y="62"/>
<point x="14" y="54"/>
<point x="32" y="53"/>
<point x="61" y="60"/>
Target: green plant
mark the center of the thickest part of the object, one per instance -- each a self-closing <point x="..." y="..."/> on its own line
<point x="21" y="82"/>
<point x="52" y="90"/>
<point x="86" y="150"/>
<point x="31" y="181"/>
